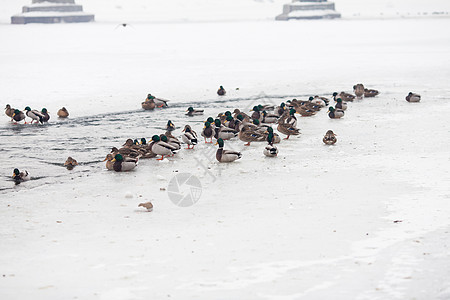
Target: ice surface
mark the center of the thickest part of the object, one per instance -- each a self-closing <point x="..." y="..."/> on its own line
<point x="315" y="223"/>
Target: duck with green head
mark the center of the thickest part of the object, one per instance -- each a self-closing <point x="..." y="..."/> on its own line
<point x="286" y="128"/>
<point x="270" y="150"/>
<point x="34" y="115"/>
<point x="223" y="132"/>
<point x="189" y="137"/>
<point x="46" y="115"/>
<point x="413" y="97"/>
<point x="226" y="155"/>
<point x="340" y="104"/>
<point x="17" y="116"/>
<point x="162" y="148"/>
<point x="194" y="112"/>
<point x="124" y="164"/>
<point x="207" y="132"/>
<point x="19" y="177"/>
<point x="335" y="113"/>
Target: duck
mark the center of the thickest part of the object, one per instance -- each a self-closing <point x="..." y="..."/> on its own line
<point x="237" y="112"/>
<point x="194" y="112"/>
<point x="335" y="113"/>
<point x="147" y="205"/>
<point x="286" y="128"/>
<point x="248" y="134"/>
<point x="317" y="101"/>
<point x="268" y="118"/>
<point x="18" y="116"/>
<point x="291" y="119"/>
<point x="148" y="104"/>
<point x="330" y="138"/>
<point x="223" y="132"/>
<point x="162" y="148"/>
<point x="370" y="93"/>
<point x="221" y="91"/>
<point x="34" y="115"/>
<point x="145" y="149"/>
<point x="279" y="110"/>
<point x="125" y="151"/>
<point x="270" y="150"/>
<point x="256" y="113"/>
<point x="124" y="164"/>
<point x="226" y="155"/>
<point x="412" y="97"/>
<point x="62" y="113"/>
<point x="170" y="126"/>
<point x="324" y="99"/>
<point x="189" y="137"/>
<point x="173" y="140"/>
<point x="358" y="89"/>
<point x="109" y="161"/>
<point x="70" y="163"/>
<point x="46" y="115"/>
<point x="9" y="111"/>
<point x="207" y="132"/>
<point x="340" y="104"/>
<point x="19" y="177"/>
<point x="344" y="96"/>
<point x="160" y="103"/>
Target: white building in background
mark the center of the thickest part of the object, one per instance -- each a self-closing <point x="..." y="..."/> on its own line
<point x="52" y="11"/>
<point x="308" y="9"/>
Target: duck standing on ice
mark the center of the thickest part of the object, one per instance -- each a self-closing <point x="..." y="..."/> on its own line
<point x="34" y="115"/>
<point x="17" y="116"/>
<point x="189" y="137"/>
<point x="9" y="111"/>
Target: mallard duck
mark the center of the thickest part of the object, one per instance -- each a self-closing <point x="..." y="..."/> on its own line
<point x="161" y="148"/>
<point x="370" y="93"/>
<point x="221" y="91"/>
<point x="412" y="97"/>
<point x="358" y="89"/>
<point x="189" y="137"/>
<point x="237" y="112"/>
<point x="17" y="116"/>
<point x="335" y="113"/>
<point x="9" y="111"/>
<point x="172" y="140"/>
<point x="34" y="115"/>
<point x="226" y="155"/>
<point x="324" y="99"/>
<point x="194" y="112"/>
<point x="109" y="161"/>
<point x="270" y="150"/>
<point x="148" y="104"/>
<point x="286" y="128"/>
<point x="207" y="132"/>
<point x="344" y="96"/>
<point x="329" y="138"/>
<point x="62" y="113"/>
<point x="256" y="113"/>
<point x="125" y="151"/>
<point x="145" y="149"/>
<point x="223" y="132"/>
<point x="170" y="126"/>
<point x="268" y="118"/>
<point x="124" y="164"/>
<point x="340" y="104"/>
<point x="46" y="115"/>
<point x="249" y="135"/>
<point x="317" y="101"/>
<point x="19" y="177"/>
<point x="161" y="103"/>
<point x="70" y="163"/>
<point x="291" y="119"/>
<point x="147" y="205"/>
<point x="279" y="110"/>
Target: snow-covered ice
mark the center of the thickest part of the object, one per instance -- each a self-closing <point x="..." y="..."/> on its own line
<point x="367" y="218"/>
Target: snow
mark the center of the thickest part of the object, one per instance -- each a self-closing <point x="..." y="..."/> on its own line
<point x="367" y="218"/>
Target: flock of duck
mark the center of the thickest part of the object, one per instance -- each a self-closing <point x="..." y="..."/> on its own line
<point x="249" y="128"/>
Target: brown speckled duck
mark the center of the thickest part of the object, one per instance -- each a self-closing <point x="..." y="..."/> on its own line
<point x="330" y="138"/>
<point x="358" y="89"/>
<point x="70" y="163"/>
<point x="62" y="113"/>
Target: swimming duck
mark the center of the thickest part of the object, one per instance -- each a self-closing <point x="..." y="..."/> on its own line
<point x="9" y="111"/>
<point x="358" y="89"/>
<point x="335" y="113"/>
<point x="34" y="115"/>
<point x="268" y="118"/>
<point x="46" y="115"/>
<point x="340" y="104"/>
<point x="270" y="150"/>
<point x="221" y="91"/>
<point x="109" y="161"/>
<point x="124" y="164"/>
<point x="370" y="93"/>
<point x="19" y="177"/>
<point x="223" y="132"/>
<point x="189" y="137"/>
<point x="329" y="138"/>
<point x="162" y="148"/>
<point x="226" y="155"/>
<point x="194" y="112"/>
<point x="248" y="134"/>
<point x="62" y="113"/>
<point x="286" y="128"/>
<point x="412" y="97"/>
<point x="70" y="163"/>
<point x="207" y="132"/>
<point x="170" y="126"/>
<point x="17" y="116"/>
